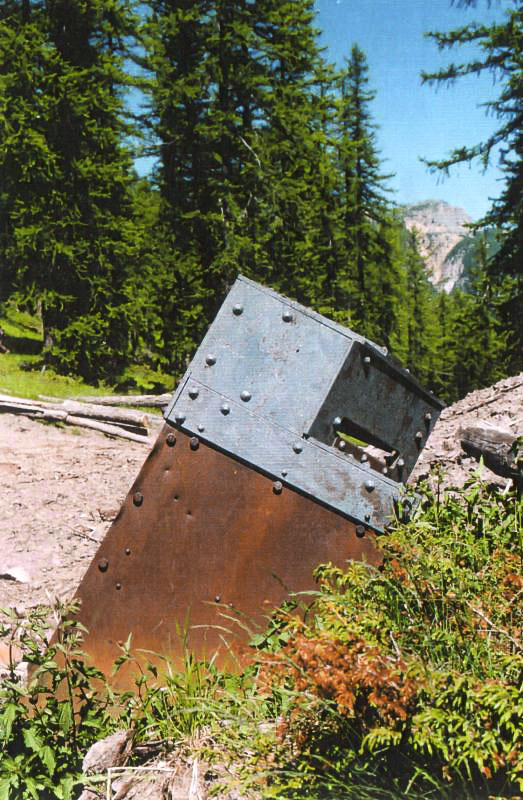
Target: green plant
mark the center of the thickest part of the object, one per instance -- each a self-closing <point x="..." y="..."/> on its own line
<point x="47" y="725"/>
<point x="409" y="678"/>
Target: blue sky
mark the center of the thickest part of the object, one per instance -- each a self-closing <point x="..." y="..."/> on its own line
<point x="416" y="120"/>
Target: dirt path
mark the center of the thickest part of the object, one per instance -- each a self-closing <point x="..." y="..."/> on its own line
<point x="61" y="488"/>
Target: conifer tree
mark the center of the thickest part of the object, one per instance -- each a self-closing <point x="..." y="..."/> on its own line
<point x="501" y="44"/>
<point x="65" y="218"/>
<point x="366" y="285"/>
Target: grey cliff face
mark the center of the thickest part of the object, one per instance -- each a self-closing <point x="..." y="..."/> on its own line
<point x="440" y="227"/>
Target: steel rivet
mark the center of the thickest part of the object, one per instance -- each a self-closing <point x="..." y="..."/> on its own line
<point x="297" y="447"/>
<point x="201" y="428"/>
<point x="245" y="396"/>
<point x="342" y="445"/>
<point x="401" y="463"/>
<point x="337" y="422"/>
<point x="367" y="517"/>
<point x="287" y="316"/>
<point x="418" y="437"/>
<point x="369" y="486"/>
<point x="385" y="471"/>
<point x="138" y="498"/>
<point x="224" y="408"/>
<point x="118" y="586"/>
<point x="170" y="439"/>
<point x="194" y="443"/>
<point x="277" y="487"/>
<point x="127" y="551"/>
<point x="103" y="565"/>
<point x="237" y="309"/>
<point x="284" y="472"/>
<point x="360" y="531"/>
<point x="428" y="418"/>
<point x="210" y="359"/>
<point x="364" y="458"/>
<point x="193" y="392"/>
<point x="217" y="598"/>
<point x="179" y="417"/>
<point x="366" y="361"/>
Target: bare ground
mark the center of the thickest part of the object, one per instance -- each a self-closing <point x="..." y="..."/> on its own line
<point x="61" y="487"/>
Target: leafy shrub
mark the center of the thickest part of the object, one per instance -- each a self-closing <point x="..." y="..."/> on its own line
<point x="409" y="678"/>
<point x="47" y="725"/>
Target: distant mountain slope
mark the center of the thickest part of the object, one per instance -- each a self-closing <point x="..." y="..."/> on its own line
<point x="443" y="239"/>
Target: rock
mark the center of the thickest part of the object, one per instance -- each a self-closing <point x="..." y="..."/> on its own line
<point x="112" y="751"/>
<point x="18" y="574"/>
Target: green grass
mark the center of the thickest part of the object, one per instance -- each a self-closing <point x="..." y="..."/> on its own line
<point x="18" y="378"/>
<point x="23" y="375"/>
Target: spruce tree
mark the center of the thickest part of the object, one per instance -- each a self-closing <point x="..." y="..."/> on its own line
<point x="65" y="216"/>
<point x="367" y="283"/>
<point x="501" y="45"/>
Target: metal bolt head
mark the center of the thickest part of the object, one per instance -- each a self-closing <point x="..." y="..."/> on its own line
<point x="401" y="463"/>
<point x="179" y="417"/>
<point x="210" y="359"/>
<point x="103" y="565"/>
<point x="342" y="445"/>
<point x="217" y="598"/>
<point x="225" y="409"/>
<point x="170" y="440"/>
<point x="297" y="447"/>
<point x="360" y="531"/>
<point x="287" y="315"/>
<point x="194" y="443"/>
<point x="127" y="551"/>
<point x="428" y="418"/>
<point x="366" y="361"/>
<point x="237" y="309"/>
<point x="364" y="458"/>
<point x="118" y="586"/>
<point x="385" y="471"/>
<point x="284" y="472"/>
<point x="137" y="498"/>
<point x="369" y="485"/>
<point x="201" y="428"/>
<point x="245" y="396"/>
<point x="336" y="422"/>
<point x="277" y="487"/>
<point x="193" y="392"/>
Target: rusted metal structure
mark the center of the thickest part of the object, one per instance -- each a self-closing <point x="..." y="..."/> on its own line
<point x="285" y="445"/>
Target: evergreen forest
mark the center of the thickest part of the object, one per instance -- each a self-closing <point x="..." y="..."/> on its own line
<point x="266" y="163"/>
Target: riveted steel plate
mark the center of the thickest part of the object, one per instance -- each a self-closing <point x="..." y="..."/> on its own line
<point x="323" y="473"/>
<point x="385" y="404"/>
<point x="199" y="536"/>
<point x="300" y="376"/>
<point x="274" y="350"/>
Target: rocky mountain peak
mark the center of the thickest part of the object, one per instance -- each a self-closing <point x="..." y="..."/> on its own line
<point x="440" y="228"/>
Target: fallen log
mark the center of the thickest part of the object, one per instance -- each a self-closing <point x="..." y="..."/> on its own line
<point x="111" y="430"/>
<point x="57" y="412"/>
<point x="497" y="447"/>
<point x="105" y="413"/>
<point x="151" y="400"/>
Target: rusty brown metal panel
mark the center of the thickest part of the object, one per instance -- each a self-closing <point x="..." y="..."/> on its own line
<point x="200" y="533"/>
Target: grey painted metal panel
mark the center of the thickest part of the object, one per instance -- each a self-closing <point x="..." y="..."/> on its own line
<point x="288" y="375"/>
<point x="374" y="395"/>
<point x="284" y="366"/>
<point x="332" y="478"/>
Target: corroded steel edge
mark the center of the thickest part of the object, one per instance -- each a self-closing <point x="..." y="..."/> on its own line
<point x="206" y="544"/>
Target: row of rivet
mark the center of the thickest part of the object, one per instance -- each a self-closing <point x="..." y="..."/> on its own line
<point x="287" y="315"/>
<point x="245" y="395"/>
